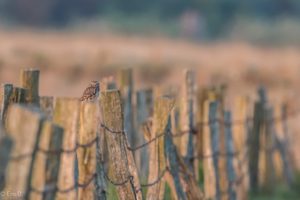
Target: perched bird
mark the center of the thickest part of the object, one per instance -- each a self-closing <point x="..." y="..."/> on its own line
<point x="91" y="93"/>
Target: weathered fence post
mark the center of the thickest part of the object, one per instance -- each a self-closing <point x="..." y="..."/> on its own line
<point x="6" y="146"/>
<point x="157" y="162"/>
<point x="231" y="155"/>
<point x="24" y="127"/>
<point x="18" y="95"/>
<point x="46" y="163"/>
<point x="66" y="113"/>
<point x="187" y="118"/>
<point x="6" y="92"/>
<point x="30" y="81"/>
<point x="240" y="140"/>
<point x="125" y="83"/>
<point x="144" y="104"/>
<point x="210" y="175"/>
<point x="113" y="125"/>
<point x="87" y="155"/>
<point x="47" y="105"/>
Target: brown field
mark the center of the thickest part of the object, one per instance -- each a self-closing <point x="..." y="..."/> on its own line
<point x="69" y="60"/>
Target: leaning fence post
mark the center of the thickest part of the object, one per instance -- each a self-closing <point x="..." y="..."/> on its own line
<point x="87" y="155"/>
<point x="157" y="162"/>
<point x="231" y="154"/>
<point x="24" y="127"/>
<point x="113" y="127"/>
<point x="66" y="113"/>
<point x="6" y="92"/>
<point x="46" y="163"/>
<point x="30" y="81"/>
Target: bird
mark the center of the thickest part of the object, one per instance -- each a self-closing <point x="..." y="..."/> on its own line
<point x="91" y="93"/>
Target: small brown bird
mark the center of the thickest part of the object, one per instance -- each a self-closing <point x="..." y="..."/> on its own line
<point x="91" y="93"/>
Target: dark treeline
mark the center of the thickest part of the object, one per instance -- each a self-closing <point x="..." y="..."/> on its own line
<point x="217" y="13"/>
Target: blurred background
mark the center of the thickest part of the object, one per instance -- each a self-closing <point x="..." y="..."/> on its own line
<point x="241" y="43"/>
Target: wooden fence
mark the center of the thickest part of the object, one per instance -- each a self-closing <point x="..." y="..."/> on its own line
<point x="61" y="148"/>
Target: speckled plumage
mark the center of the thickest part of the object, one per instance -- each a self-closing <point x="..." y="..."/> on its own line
<point x="91" y="93"/>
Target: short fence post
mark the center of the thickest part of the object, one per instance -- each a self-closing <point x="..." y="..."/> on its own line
<point x="23" y="125"/>
<point x="87" y="155"/>
<point x="30" y="81"/>
<point x="66" y="113"/>
<point x="46" y="163"/>
<point x="6" y="92"/>
<point x="113" y="128"/>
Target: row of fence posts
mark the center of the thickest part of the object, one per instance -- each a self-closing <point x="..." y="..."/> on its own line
<point x="60" y="148"/>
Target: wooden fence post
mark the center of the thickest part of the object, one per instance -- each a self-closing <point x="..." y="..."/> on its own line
<point x="66" y="114"/>
<point x="240" y="140"/>
<point x="230" y="151"/>
<point x="6" y="92"/>
<point x="6" y="146"/>
<point x="46" y="105"/>
<point x="46" y="165"/>
<point x="157" y="162"/>
<point x="254" y="145"/>
<point x="87" y="156"/>
<point x="30" y="81"/>
<point x="119" y="174"/>
<point x="187" y="118"/>
<point x="144" y="104"/>
<point x="210" y="179"/>
<point x="18" y="95"/>
<point x="125" y="82"/>
<point x="24" y="127"/>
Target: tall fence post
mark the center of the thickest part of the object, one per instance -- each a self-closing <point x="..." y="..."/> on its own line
<point x="46" y="163"/>
<point x="87" y="155"/>
<point x="6" y="92"/>
<point x="230" y="151"/>
<point x="113" y="125"/>
<point x="187" y="118"/>
<point x="24" y="127"/>
<point x="162" y="109"/>
<point x="66" y="114"/>
<point x="30" y="81"/>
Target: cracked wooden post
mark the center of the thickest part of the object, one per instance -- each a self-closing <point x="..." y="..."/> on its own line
<point x="239" y="135"/>
<point x="125" y="83"/>
<point x="24" y="127"/>
<point x="210" y="179"/>
<point x="30" y="81"/>
<point x="187" y="118"/>
<point x="232" y="177"/>
<point x="66" y="114"/>
<point x="119" y="169"/>
<point x="6" y="92"/>
<point x="6" y="146"/>
<point x="46" y="166"/>
<point x="144" y="104"/>
<point x="47" y="105"/>
<point x="157" y="162"/>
